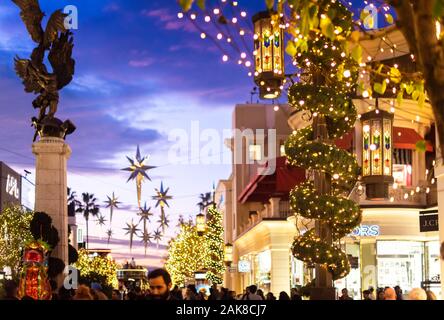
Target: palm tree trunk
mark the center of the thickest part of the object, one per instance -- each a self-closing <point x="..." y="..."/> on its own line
<point x="87" y="234"/>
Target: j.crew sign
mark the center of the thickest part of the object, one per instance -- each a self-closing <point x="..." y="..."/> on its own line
<point x="428" y="221"/>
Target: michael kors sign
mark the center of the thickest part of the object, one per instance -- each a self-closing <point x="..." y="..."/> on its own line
<point x="428" y="221"/>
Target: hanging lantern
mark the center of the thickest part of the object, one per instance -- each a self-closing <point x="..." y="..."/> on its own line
<point x="200" y="224"/>
<point x="228" y="253"/>
<point x="377" y="153"/>
<point x="268" y="54"/>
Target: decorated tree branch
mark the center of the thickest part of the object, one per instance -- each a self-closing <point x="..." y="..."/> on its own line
<point x="214" y="238"/>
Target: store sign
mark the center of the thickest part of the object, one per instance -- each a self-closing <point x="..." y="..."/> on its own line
<point x="244" y="266"/>
<point x="428" y="221"/>
<point x="366" y="231"/>
<point x="10" y="193"/>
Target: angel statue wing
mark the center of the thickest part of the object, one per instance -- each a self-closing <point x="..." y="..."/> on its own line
<point x="32" y="16"/>
<point x="55" y="25"/>
<point x="34" y="79"/>
<point x="61" y="60"/>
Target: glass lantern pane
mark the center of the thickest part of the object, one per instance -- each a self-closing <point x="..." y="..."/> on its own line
<point x="387" y="147"/>
<point x="366" y="148"/>
<point x="375" y="147"/>
<point x="267" y="46"/>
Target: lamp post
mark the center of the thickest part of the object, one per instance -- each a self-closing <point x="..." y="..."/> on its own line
<point x="228" y="254"/>
<point x="200" y="224"/>
<point x="377" y="153"/>
<point x="269" y="55"/>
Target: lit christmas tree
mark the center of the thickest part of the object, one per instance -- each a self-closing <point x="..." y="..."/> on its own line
<point x="214" y="237"/>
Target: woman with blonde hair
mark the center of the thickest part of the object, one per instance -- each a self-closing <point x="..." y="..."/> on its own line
<point x="83" y="293"/>
<point x="430" y="295"/>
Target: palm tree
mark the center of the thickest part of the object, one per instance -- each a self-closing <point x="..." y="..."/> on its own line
<point x="205" y="201"/>
<point x="109" y="233"/>
<point x="88" y="207"/>
<point x="72" y="202"/>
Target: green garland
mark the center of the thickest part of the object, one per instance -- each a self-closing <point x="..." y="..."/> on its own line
<point x="333" y="100"/>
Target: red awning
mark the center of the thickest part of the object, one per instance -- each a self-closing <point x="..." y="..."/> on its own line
<point x="279" y="184"/>
<point x="406" y="138"/>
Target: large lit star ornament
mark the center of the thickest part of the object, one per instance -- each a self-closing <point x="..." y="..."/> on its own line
<point x="101" y="220"/>
<point x="157" y="236"/>
<point x="162" y="198"/>
<point x="138" y="168"/>
<point x="146" y="238"/>
<point x="109" y="233"/>
<point x="132" y="230"/>
<point x="144" y="214"/>
<point x="112" y="204"/>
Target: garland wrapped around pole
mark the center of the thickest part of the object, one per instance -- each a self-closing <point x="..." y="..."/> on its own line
<point x="330" y="79"/>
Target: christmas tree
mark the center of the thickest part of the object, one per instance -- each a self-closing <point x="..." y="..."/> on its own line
<point x="214" y="237"/>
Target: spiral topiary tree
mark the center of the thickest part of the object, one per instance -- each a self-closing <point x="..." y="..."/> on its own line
<point x="329" y="81"/>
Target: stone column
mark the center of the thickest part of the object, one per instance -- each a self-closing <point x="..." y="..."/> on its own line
<point x="439" y="174"/>
<point x="51" y="187"/>
<point x="280" y="270"/>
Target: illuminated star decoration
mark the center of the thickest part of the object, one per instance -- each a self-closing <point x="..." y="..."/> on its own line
<point x="146" y="238"/>
<point x="112" y="203"/>
<point x="101" y="220"/>
<point x="109" y="233"/>
<point x="145" y="214"/>
<point x="162" y="198"/>
<point x="132" y="230"/>
<point x="138" y="170"/>
<point x="157" y="236"/>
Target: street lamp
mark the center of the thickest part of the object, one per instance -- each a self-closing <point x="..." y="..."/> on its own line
<point x="377" y="153"/>
<point x="228" y="253"/>
<point x="200" y="224"/>
<point x="269" y="55"/>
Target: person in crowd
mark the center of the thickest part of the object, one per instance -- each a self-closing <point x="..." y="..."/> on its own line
<point x="380" y="294"/>
<point x="260" y="293"/>
<point x="116" y="295"/>
<point x="54" y="294"/>
<point x="83" y="293"/>
<point x="133" y="263"/>
<point x="430" y="295"/>
<point x="250" y="294"/>
<point x="295" y="294"/>
<point x="191" y="293"/>
<point x="65" y="294"/>
<point x="214" y="293"/>
<point x="202" y="296"/>
<point x="389" y="294"/>
<point x="11" y="290"/>
<point x="160" y="285"/>
<point x="398" y="293"/>
<point x="345" y="295"/>
<point x="97" y="291"/>
<point x="366" y="294"/>
<point x="177" y="293"/>
<point x="231" y="295"/>
<point x="270" y="297"/>
<point x="372" y="293"/>
<point x="284" y="296"/>
<point x="126" y="265"/>
<point x="225" y="294"/>
<point x="417" y="294"/>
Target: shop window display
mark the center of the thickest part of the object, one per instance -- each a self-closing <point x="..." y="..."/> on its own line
<point x="400" y="263"/>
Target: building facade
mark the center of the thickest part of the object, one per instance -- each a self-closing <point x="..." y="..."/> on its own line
<point x="397" y="242"/>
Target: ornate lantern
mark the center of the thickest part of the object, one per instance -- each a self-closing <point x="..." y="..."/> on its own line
<point x="377" y="153"/>
<point x="200" y="224"/>
<point x="228" y="253"/>
<point x="269" y="55"/>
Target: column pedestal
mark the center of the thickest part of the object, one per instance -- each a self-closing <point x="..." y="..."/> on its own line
<point x="51" y="188"/>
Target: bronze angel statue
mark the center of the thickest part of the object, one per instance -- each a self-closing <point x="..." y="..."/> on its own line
<point x="58" y="40"/>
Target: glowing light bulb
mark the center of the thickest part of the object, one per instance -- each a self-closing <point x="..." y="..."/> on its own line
<point x="365" y="94"/>
<point x="248" y="64"/>
<point x="244" y="55"/>
<point x="347" y="74"/>
<point x="366" y="128"/>
<point x="219" y="36"/>
<point x="203" y="35"/>
<point x="336" y="176"/>
<point x="373" y="147"/>
<point x="276" y="108"/>
<point x="180" y="15"/>
<point x="216" y="11"/>
<point x="242" y="32"/>
<point x="193" y="16"/>
<point x="225" y="58"/>
<point x="234" y="20"/>
<point x="207" y="19"/>
<point x="243" y="14"/>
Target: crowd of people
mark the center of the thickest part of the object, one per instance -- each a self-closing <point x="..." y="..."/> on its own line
<point x="160" y="288"/>
<point x="389" y="293"/>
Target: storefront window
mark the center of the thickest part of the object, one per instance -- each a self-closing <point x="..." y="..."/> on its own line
<point x="433" y="268"/>
<point x="262" y="270"/>
<point x="400" y="263"/>
<point x="353" y="280"/>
